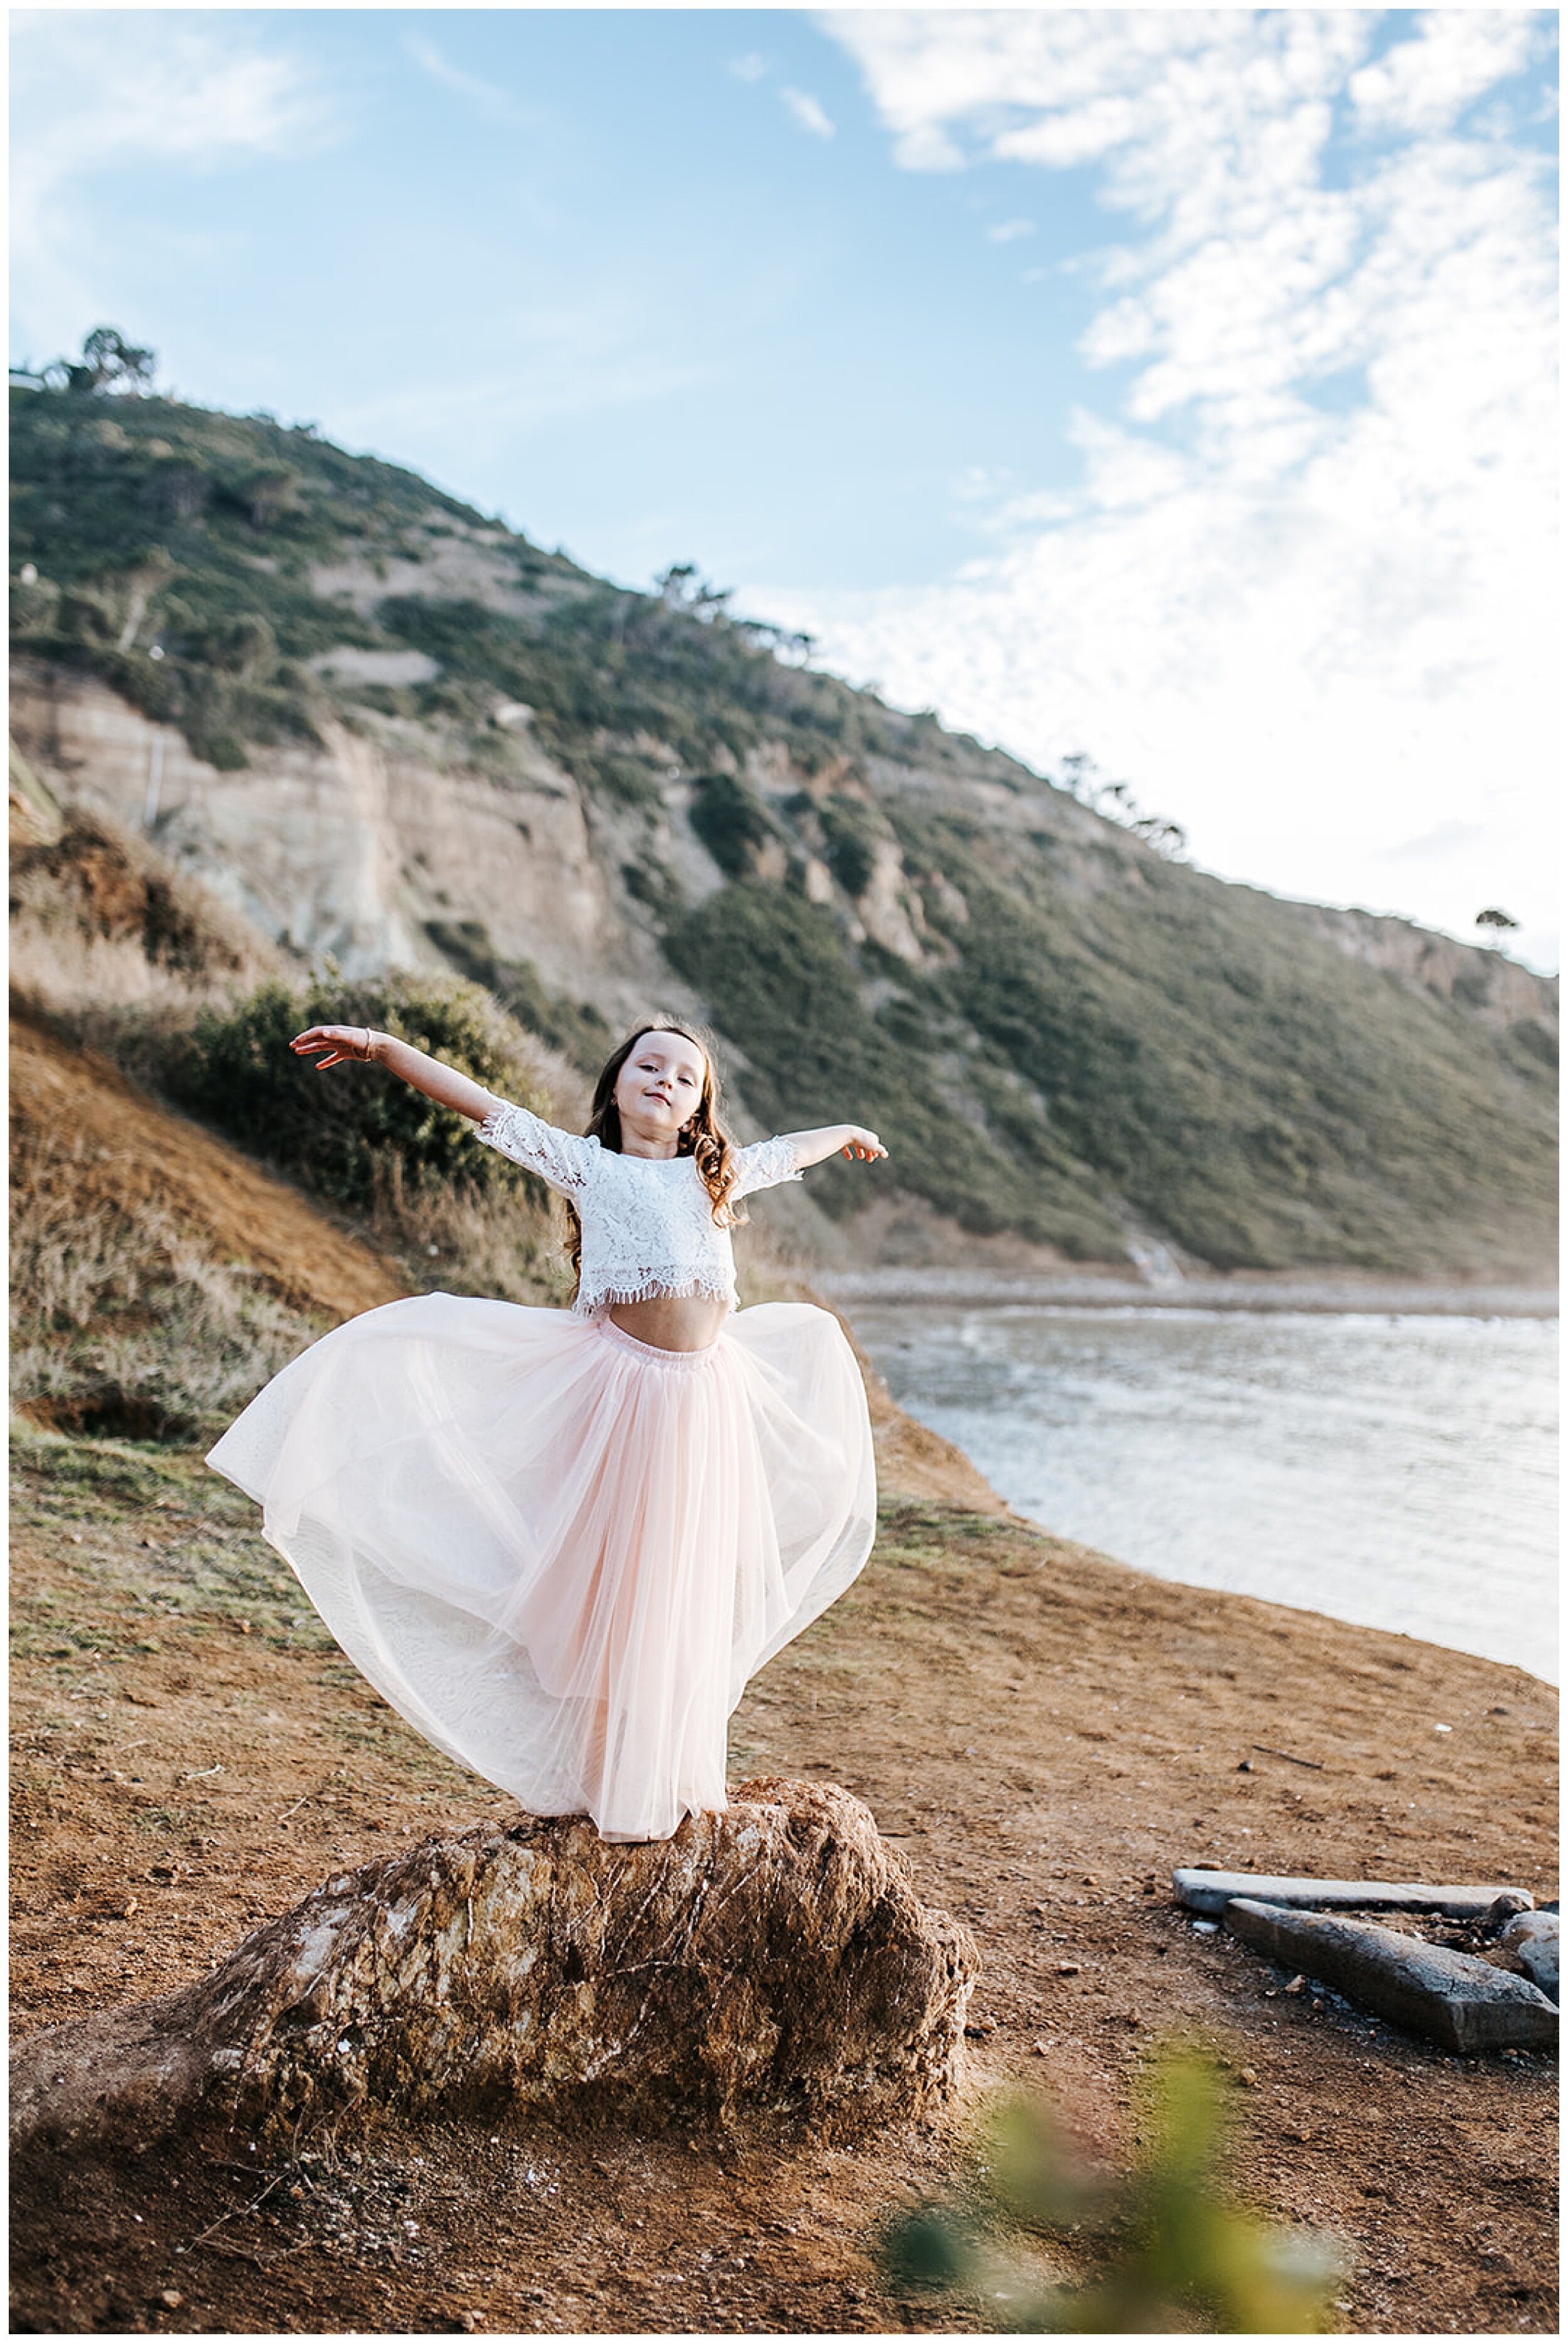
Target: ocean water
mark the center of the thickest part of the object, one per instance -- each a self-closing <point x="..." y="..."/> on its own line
<point x="1400" y="1472"/>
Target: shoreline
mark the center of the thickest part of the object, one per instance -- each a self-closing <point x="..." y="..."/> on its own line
<point x="1323" y="1297"/>
<point x="1024" y="1503"/>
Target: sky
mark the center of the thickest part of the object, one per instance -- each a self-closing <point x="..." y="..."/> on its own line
<point x="1173" y="388"/>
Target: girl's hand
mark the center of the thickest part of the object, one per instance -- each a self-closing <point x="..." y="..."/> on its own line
<point x="862" y="1144"/>
<point x="342" y="1043"/>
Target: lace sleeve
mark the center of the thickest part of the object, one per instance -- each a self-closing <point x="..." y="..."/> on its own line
<point x="767" y="1164"/>
<point x="558" y="1157"/>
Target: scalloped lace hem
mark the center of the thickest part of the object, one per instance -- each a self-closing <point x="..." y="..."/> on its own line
<point x="654" y="1287"/>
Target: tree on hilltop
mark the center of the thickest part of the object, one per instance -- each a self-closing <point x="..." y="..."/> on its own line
<point x="108" y="362"/>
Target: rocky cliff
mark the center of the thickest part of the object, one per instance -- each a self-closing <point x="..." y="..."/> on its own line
<point x="388" y="730"/>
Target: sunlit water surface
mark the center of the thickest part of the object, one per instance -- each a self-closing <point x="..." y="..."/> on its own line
<point x="1395" y="1470"/>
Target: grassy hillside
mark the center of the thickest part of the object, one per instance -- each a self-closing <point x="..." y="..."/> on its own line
<point x="1060" y="1033"/>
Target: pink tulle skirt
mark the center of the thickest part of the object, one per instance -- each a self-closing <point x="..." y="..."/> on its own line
<point x="558" y="1552"/>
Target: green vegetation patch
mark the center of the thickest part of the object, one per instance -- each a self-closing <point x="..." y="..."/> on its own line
<point x="576" y="1028"/>
<point x="780" y="975"/>
<point x="1263" y="1096"/>
<point x="349" y="1132"/>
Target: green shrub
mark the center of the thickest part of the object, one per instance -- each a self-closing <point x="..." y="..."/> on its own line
<point x="349" y="1132"/>
<point x="851" y="830"/>
<point x="731" y="820"/>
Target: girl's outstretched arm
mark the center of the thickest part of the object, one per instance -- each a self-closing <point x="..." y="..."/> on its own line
<point x="834" y="1139"/>
<point x="333" y="1045"/>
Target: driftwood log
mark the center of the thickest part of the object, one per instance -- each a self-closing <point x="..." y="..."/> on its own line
<point x="1211" y="1891"/>
<point x="773" y="1958"/>
<point x="1454" y="1999"/>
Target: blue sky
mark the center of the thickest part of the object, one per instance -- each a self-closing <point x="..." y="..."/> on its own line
<point x="594" y="270"/>
<point x="1115" y="383"/>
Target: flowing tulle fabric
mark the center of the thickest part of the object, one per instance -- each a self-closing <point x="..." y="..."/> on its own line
<point x="559" y="1552"/>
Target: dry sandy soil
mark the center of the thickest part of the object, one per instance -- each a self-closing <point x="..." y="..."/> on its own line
<point x="1043" y="1732"/>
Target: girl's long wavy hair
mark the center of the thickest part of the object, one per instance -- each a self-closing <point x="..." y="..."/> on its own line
<point x="703" y="1136"/>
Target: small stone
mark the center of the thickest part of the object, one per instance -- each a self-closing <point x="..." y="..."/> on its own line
<point x="171" y="2298"/>
<point x="1297" y="1984"/>
<point x="1205" y="1927"/>
<point x="1248" y="2075"/>
<point x="1246" y="1766"/>
<point x="1532" y="1938"/>
<point x="1512" y="1900"/>
<point x="1068" y="1969"/>
<point x="1040" y="2049"/>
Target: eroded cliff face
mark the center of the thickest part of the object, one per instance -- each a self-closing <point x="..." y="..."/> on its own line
<point x="350" y="850"/>
<point x="1483" y="982"/>
<point x="357" y="848"/>
<point x="408" y="842"/>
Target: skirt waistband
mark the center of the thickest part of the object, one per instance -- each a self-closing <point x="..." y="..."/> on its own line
<point x="684" y="1362"/>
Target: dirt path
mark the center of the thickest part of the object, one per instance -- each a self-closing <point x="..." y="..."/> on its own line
<point x="1044" y="1733"/>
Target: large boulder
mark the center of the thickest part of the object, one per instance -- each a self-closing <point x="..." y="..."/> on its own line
<point x="772" y="1958"/>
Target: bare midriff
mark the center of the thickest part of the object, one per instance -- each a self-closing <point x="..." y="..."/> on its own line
<point x="672" y="1321"/>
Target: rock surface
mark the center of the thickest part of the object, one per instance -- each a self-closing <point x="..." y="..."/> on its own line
<point x="1211" y="1891"/>
<point x="1454" y="1999"/>
<point x="774" y="1958"/>
<point x="1532" y="1938"/>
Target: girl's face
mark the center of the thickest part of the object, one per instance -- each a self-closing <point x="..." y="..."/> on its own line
<point x="659" y="1088"/>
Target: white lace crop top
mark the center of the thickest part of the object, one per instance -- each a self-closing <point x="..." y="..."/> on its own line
<point x="647" y="1220"/>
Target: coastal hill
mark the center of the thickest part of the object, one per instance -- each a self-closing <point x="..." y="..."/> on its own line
<point x="386" y="728"/>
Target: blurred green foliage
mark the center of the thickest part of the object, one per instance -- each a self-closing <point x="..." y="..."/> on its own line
<point x="1172" y="2249"/>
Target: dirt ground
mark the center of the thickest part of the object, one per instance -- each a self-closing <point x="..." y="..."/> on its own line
<point x="1044" y="1734"/>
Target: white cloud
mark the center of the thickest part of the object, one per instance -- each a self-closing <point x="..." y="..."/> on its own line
<point x="807" y="112"/>
<point x="1302" y="593"/>
<point x="1008" y="231"/>
<point x="94" y="90"/>
<point x="488" y="99"/>
<point x="1425" y="84"/>
<point x="751" y="67"/>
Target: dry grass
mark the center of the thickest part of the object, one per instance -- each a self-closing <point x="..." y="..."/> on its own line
<point x="455" y="1240"/>
<point x="125" y="1322"/>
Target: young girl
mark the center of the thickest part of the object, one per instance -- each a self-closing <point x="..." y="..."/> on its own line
<point x="560" y="1543"/>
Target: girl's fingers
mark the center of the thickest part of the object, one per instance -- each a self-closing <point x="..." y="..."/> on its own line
<point x="336" y="1039"/>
